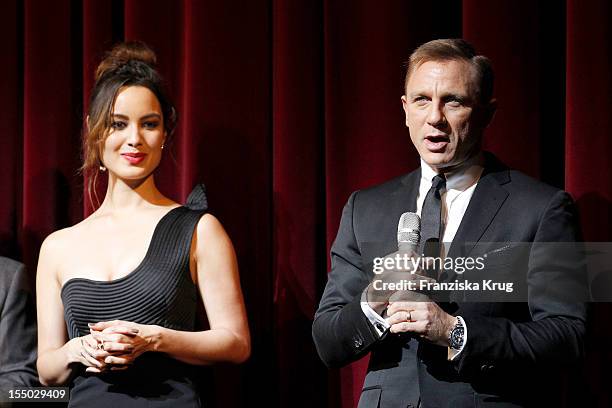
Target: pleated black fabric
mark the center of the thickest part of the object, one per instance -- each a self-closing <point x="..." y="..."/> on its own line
<point x="159" y="291"/>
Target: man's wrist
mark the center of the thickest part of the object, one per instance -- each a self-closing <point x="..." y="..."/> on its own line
<point x="378" y="307"/>
<point x="456" y="335"/>
<point x="374" y="317"/>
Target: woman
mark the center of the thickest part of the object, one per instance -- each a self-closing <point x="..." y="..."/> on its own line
<point x="126" y="278"/>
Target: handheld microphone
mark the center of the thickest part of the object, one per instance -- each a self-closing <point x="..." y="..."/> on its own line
<point x="408" y="232"/>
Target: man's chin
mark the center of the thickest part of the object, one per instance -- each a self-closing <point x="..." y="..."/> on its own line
<point x="438" y="160"/>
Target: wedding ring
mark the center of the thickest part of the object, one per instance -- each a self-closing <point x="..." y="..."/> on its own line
<point x="101" y="346"/>
<point x="409" y="318"/>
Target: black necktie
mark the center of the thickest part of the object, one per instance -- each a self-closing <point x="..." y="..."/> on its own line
<point x="431" y="218"/>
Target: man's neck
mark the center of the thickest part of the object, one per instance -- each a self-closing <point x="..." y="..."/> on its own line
<point x="459" y="176"/>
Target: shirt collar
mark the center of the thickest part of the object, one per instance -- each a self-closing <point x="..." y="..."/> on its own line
<point x="459" y="179"/>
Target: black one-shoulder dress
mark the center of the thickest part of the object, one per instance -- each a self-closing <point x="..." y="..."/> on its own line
<point x="159" y="291"/>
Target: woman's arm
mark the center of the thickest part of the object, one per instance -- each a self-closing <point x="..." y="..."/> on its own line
<point x="219" y="284"/>
<point x="55" y="354"/>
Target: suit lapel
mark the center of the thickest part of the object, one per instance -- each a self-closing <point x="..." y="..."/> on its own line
<point x="486" y="201"/>
<point x="404" y="198"/>
<point x="400" y="199"/>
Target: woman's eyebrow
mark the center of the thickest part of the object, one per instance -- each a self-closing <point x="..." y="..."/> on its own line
<point x="151" y="115"/>
<point x="147" y="116"/>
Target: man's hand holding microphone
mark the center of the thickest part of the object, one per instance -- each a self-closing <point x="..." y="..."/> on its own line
<point x="409" y="311"/>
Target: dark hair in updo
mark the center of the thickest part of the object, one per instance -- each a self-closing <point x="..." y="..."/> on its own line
<point x="127" y="64"/>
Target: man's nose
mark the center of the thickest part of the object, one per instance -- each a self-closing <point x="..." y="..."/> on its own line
<point x="436" y="115"/>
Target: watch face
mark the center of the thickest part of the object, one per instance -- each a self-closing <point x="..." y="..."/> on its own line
<point x="456" y="337"/>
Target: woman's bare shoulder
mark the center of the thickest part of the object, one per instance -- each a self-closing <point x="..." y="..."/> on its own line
<point x="212" y="239"/>
<point x="209" y="227"/>
<point x="52" y="251"/>
<point x="57" y="244"/>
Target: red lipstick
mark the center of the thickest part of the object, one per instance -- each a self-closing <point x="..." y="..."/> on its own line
<point x="134" y="158"/>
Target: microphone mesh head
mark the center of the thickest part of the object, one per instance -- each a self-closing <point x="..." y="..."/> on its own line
<point x="409" y="228"/>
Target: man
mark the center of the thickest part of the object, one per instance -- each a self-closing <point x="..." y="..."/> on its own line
<point x="17" y="328"/>
<point x="455" y="353"/>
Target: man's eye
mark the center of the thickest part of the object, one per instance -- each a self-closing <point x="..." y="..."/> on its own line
<point x="455" y="101"/>
<point x="118" y="125"/>
<point x="420" y="100"/>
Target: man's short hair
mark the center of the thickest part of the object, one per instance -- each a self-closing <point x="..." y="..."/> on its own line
<point x="455" y="49"/>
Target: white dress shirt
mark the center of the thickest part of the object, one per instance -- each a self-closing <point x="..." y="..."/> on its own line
<point x="460" y="185"/>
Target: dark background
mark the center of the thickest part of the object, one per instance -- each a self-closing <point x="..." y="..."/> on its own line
<point x="287" y="106"/>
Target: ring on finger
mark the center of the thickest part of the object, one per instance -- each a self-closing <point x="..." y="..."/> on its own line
<point x="409" y="317"/>
<point x="101" y="345"/>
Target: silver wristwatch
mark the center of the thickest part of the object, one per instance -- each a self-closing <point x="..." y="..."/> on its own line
<point x="456" y="337"/>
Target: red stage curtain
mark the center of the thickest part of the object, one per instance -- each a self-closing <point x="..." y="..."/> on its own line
<point x="286" y="106"/>
<point x="588" y="173"/>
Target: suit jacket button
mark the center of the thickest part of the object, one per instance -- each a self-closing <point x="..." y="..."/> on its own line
<point x="357" y="342"/>
<point x="484" y="368"/>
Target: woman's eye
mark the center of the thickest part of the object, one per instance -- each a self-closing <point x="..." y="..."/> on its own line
<point x="118" y="125"/>
<point x="150" y="125"/>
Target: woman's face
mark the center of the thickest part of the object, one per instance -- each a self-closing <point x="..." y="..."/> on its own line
<point x="133" y="147"/>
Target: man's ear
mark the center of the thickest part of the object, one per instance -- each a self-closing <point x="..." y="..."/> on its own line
<point x="490" y="110"/>
<point x="405" y="106"/>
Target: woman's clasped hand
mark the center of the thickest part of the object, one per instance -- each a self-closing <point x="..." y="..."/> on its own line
<point x="114" y="345"/>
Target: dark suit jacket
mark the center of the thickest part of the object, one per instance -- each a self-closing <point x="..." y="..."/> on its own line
<point x="17" y="327"/>
<point x="512" y="349"/>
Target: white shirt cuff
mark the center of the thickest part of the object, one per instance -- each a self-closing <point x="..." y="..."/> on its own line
<point x="452" y="353"/>
<point x="380" y="324"/>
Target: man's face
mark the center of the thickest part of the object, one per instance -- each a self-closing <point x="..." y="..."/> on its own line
<point x="444" y="118"/>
